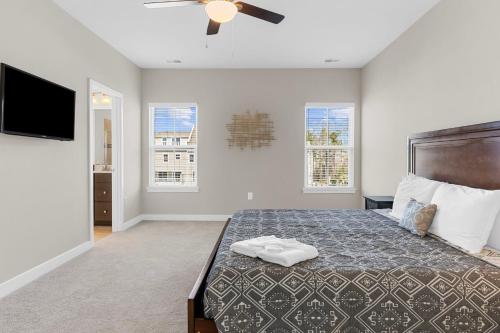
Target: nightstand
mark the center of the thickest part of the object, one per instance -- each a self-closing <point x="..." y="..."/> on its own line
<point x="378" y="202"/>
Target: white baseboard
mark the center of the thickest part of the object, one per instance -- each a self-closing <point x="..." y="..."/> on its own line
<point x="172" y="218"/>
<point x="130" y="223"/>
<point x="185" y="217"/>
<point x="23" y="279"/>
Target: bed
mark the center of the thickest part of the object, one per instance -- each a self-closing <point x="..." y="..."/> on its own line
<point x="371" y="275"/>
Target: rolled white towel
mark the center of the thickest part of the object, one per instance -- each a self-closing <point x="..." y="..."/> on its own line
<point x="284" y="252"/>
<point x="288" y="256"/>
<point x="274" y="248"/>
<point x="250" y="247"/>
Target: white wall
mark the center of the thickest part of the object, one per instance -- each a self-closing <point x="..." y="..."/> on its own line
<point x="443" y="72"/>
<point x="275" y="174"/>
<point x="44" y="183"/>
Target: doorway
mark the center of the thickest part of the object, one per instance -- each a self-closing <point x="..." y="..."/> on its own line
<point x="105" y="162"/>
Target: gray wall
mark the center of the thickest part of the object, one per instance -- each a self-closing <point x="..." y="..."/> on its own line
<point x="276" y="174"/>
<point x="44" y="183"/>
<point x="443" y="72"/>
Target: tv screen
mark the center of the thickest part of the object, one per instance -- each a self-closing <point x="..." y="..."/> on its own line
<point x="32" y="106"/>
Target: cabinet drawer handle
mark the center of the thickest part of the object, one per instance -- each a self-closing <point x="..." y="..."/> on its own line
<point x="105" y="211"/>
<point x="104" y="192"/>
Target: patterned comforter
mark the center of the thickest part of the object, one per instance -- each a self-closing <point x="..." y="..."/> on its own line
<point x="371" y="276"/>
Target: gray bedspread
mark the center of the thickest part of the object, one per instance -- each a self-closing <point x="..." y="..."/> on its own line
<point x="371" y="276"/>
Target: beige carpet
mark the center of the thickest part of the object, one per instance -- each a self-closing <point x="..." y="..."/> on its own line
<point x="134" y="281"/>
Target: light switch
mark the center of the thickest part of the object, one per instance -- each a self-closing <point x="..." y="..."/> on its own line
<point x="250" y="195"/>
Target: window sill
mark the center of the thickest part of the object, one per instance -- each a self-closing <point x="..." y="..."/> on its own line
<point x="328" y="190"/>
<point x="173" y="189"/>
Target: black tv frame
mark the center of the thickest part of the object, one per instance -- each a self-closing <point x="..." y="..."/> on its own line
<point x="3" y="67"/>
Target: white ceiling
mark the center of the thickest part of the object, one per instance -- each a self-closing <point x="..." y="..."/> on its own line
<point x="354" y="31"/>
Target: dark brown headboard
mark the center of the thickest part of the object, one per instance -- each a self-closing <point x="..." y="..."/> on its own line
<point x="467" y="155"/>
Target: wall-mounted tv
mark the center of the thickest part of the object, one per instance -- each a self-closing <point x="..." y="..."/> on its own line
<point x="32" y="106"/>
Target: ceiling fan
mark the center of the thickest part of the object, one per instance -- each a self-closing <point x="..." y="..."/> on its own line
<point x="221" y="11"/>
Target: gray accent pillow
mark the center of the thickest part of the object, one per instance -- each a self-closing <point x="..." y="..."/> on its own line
<point x="418" y="217"/>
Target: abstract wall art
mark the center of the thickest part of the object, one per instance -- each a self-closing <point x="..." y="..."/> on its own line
<point x="250" y="130"/>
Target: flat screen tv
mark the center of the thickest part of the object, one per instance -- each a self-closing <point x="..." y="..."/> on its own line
<point x="32" y="106"/>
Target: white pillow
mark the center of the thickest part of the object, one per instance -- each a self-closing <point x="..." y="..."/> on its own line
<point x="465" y="216"/>
<point x="494" y="240"/>
<point x="413" y="187"/>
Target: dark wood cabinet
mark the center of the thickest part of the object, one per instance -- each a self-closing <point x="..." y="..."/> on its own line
<point x="102" y="213"/>
<point x="378" y="202"/>
<point x="102" y="192"/>
<point x="102" y="177"/>
<point x="103" y="199"/>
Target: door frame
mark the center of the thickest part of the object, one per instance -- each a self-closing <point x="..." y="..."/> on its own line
<point x="117" y="156"/>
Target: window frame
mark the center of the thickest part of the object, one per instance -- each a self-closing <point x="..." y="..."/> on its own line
<point x="169" y="188"/>
<point x="351" y="149"/>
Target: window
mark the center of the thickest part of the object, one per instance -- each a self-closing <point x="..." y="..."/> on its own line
<point x="173" y="131"/>
<point x="164" y="176"/>
<point x="161" y="174"/>
<point x="329" y="148"/>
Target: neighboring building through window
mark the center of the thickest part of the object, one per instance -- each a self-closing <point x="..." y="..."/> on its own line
<point x="329" y="148"/>
<point x="173" y="131"/>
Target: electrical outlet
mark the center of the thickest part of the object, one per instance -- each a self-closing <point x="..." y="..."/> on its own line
<point x="250" y="195"/>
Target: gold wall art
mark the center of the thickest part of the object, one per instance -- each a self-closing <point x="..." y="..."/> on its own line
<point x="250" y="130"/>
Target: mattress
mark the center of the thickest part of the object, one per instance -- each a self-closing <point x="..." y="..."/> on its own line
<point x="370" y="276"/>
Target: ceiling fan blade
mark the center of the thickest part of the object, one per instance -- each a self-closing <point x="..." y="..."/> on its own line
<point x="172" y="3"/>
<point x="259" y="13"/>
<point x="213" y="28"/>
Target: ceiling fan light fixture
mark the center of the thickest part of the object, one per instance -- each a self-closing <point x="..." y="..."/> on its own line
<point x="221" y="11"/>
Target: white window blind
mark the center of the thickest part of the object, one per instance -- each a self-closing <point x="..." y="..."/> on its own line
<point x="173" y="132"/>
<point x="329" y="148"/>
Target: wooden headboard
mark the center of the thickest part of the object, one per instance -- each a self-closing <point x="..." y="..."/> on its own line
<point x="467" y="155"/>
